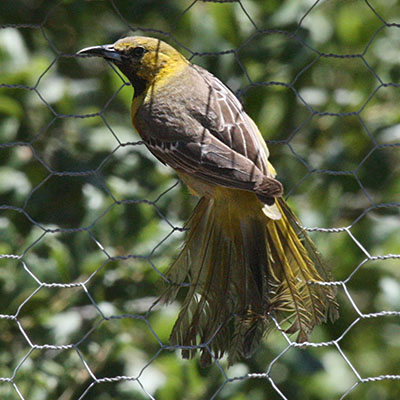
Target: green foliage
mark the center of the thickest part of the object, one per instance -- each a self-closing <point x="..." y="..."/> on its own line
<point x="83" y="203"/>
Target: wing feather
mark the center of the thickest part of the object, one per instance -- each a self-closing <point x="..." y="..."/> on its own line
<point x="217" y="141"/>
<point x="238" y="131"/>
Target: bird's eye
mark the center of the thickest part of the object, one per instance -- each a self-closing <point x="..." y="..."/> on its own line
<point x="137" y="51"/>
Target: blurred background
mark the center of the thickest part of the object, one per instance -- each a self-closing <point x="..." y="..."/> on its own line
<point x="89" y="220"/>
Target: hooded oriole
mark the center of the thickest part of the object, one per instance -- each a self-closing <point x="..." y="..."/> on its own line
<point x="246" y="255"/>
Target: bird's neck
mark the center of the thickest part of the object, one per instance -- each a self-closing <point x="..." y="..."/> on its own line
<point x="139" y="85"/>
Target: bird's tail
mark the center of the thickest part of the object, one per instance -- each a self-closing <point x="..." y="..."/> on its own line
<point x="236" y="269"/>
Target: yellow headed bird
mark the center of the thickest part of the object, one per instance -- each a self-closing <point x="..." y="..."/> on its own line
<point x="246" y="256"/>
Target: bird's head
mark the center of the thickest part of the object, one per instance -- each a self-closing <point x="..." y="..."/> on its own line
<point x="140" y="59"/>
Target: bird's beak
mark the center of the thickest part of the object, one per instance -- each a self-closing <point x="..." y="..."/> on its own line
<point x="107" y="51"/>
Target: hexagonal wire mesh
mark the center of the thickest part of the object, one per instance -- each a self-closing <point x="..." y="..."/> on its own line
<point x="89" y="221"/>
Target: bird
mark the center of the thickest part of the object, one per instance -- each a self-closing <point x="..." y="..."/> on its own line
<point x="247" y="263"/>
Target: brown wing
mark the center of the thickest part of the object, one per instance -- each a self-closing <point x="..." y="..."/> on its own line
<point x="233" y="126"/>
<point x="218" y="141"/>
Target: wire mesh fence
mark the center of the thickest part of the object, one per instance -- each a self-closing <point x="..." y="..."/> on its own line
<point x="89" y="221"/>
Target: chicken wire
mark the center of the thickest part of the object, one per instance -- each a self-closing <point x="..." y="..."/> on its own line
<point x="34" y="370"/>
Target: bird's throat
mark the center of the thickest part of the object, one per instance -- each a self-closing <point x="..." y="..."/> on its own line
<point x="139" y="85"/>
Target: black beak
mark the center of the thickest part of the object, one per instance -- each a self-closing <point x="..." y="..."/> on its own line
<point x="107" y="51"/>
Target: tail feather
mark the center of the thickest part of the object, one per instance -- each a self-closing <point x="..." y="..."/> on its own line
<point x="239" y="266"/>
